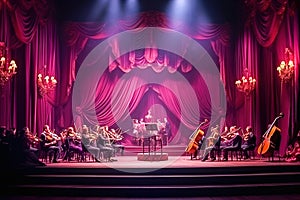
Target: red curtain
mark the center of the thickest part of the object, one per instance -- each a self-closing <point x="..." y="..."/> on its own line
<point x="256" y="41"/>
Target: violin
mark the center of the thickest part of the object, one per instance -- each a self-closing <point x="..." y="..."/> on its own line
<point x="52" y="138"/>
<point x="32" y="138"/>
<point x="49" y="138"/>
<point x="74" y="136"/>
<point x="211" y="141"/>
<point x="230" y="135"/>
<point x="246" y="136"/>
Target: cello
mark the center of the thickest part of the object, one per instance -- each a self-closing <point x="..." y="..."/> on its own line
<point x="270" y="140"/>
<point x="195" y="138"/>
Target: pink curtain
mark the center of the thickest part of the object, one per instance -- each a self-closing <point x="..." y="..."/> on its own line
<point x="34" y="42"/>
<point x="256" y="40"/>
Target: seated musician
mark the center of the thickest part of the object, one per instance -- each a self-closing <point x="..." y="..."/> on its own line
<point x="293" y="150"/>
<point x="32" y="141"/>
<point x="103" y="142"/>
<point x="211" y="142"/>
<point x="73" y="144"/>
<point x="116" y="141"/>
<point x="225" y="132"/>
<point x="24" y="154"/>
<point x="87" y="139"/>
<point x="248" y="142"/>
<point x="49" y="143"/>
<point x="231" y="141"/>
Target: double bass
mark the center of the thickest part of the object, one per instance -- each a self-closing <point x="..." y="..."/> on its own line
<point x="270" y="139"/>
<point x="195" y="138"/>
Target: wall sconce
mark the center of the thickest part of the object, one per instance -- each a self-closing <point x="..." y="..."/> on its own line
<point x="246" y="84"/>
<point x="7" y="69"/>
<point x="45" y="83"/>
<point x="286" y="68"/>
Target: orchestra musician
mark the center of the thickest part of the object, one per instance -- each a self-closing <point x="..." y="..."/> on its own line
<point x="104" y="143"/>
<point x="227" y="137"/>
<point x="225" y="132"/>
<point x="116" y="142"/>
<point x="211" y="142"/>
<point x="49" y="143"/>
<point x="23" y="154"/>
<point x="32" y="141"/>
<point x="231" y="141"/>
<point x="293" y="150"/>
<point x="73" y="144"/>
<point x="248" y="142"/>
<point x="87" y="139"/>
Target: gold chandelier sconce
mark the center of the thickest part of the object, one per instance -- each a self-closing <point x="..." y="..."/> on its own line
<point x="246" y="84"/>
<point x="286" y="68"/>
<point x="45" y="83"/>
<point x="7" y="69"/>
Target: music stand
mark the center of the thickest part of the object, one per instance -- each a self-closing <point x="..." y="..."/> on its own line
<point x="151" y="127"/>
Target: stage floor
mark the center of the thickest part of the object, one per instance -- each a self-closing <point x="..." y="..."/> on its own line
<point x="172" y="162"/>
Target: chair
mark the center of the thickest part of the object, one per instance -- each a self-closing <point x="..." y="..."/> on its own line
<point x="87" y="154"/>
<point x="119" y="148"/>
<point x="215" y="150"/>
<point x="73" y="151"/>
<point x="275" y="145"/>
<point x="45" y="154"/>
<point x="251" y="153"/>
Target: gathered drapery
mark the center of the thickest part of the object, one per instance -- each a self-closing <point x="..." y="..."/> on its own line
<point x="257" y="42"/>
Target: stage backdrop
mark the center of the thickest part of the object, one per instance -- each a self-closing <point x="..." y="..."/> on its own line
<point x="256" y="40"/>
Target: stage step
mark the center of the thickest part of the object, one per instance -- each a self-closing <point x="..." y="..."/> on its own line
<point x="167" y="182"/>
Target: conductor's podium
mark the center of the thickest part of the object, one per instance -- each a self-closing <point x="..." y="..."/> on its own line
<point x="152" y="145"/>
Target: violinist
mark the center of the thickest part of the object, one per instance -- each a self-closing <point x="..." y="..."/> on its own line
<point x="73" y="144"/>
<point x="103" y="142"/>
<point x="118" y="147"/>
<point x="87" y="140"/>
<point x="32" y="141"/>
<point x="225" y="132"/>
<point x="249" y="141"/>
<point x="230" y="142"/>
<point x="228" y="136"/>
<point x="23" y="154"/>
<point x="211" y="143"/>
<point x="33" y="138"/>
<point x="49" y="143"/>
